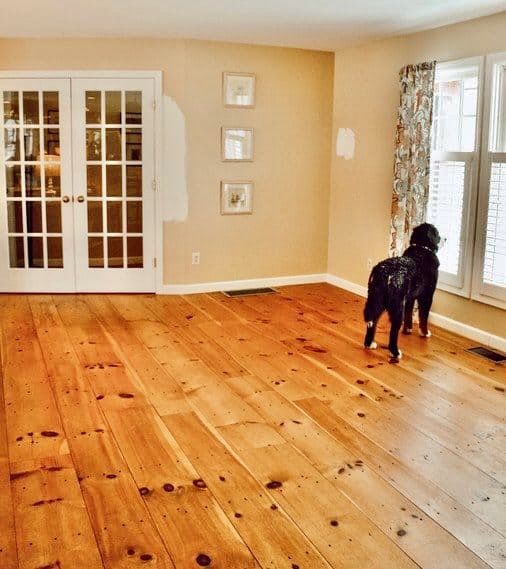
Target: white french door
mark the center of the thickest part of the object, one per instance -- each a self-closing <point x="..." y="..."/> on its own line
<point x="76" y="185"/>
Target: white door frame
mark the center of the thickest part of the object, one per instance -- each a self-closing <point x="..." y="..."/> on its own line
<point x="158" y="138"/>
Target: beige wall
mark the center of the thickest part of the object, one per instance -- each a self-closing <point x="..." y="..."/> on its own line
<point x="287" y="234"/>
<point x="366" y="98"/>
<point x="288" y="231"/>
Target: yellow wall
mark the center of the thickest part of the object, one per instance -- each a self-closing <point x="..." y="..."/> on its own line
<point x="288" y="231"/>
<point x="366" y="97"/>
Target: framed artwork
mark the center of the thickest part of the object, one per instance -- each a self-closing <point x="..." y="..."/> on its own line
<point x="239" y="90"/>
<point x="236" y="197"/>
<point x="236" y="144"/>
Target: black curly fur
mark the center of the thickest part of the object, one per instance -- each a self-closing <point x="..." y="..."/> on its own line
<point x="395" y="284"/>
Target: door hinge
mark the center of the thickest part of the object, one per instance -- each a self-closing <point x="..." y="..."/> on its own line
<point x="154" y="105"/>
<point x="153" y="184"/>
<point x="154" y="262"/>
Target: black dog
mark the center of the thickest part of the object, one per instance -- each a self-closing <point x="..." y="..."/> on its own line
<point x="396" y="283"/>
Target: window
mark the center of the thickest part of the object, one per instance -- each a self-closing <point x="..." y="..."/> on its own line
<point x="467" y="192"/>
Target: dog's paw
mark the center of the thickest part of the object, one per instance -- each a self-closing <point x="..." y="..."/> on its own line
<point x="372" y="346"/>
<point x="396" y="357"/>
<point x="407" y="331"/>
<point x="425" y="334"/>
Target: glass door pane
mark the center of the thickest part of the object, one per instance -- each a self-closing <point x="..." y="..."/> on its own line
<point x="113" y="142"/>
<point x="32" y="174"/>
<point x="114" y="179"/>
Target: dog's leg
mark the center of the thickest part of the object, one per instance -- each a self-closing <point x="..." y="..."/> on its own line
<point x="373" y="310"/>
<point x="369" y="335"/>
<point x="424" y="304"/>
<point x="408" y="316"/>
<point x="396" y="323"/>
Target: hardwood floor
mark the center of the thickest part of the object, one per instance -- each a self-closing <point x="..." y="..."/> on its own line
<point x="235" y="433"/>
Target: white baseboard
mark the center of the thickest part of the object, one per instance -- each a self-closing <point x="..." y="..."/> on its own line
<point x="347" y="285"/>
<point x="475" y="334"/>
<point x="241" y="284"/>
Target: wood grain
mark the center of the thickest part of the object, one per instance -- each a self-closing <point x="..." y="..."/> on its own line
<point x="74" y="350"/>
<point x="52" y="524"/>
<point x="8" y="553"/>
<point x="245" y="433"/>
<point x="356" y="478"/>
<point x="186" y="514"/>
<point x="262" y="523"/>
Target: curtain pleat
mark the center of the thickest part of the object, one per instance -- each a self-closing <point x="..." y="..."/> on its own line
<point x="412" y="153"/>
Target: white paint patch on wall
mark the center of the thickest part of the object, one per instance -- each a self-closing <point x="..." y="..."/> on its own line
<point x="175" y="192"/>
<point x="345" y="143"/>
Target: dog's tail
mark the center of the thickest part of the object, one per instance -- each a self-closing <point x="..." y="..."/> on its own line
<point x="376" y="302"/>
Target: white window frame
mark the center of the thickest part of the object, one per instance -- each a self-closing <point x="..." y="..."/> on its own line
<point x="494" y="100"/>
<point x="460" y="283"/>
<point x="469" y="280"/>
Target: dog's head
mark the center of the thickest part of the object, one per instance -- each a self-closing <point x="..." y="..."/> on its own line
<point x="426" y="235"/>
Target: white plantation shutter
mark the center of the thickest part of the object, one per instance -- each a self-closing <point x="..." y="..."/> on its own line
<point x="489" y="281"/>
<point x="494" y="269"/>
<point x="445" y="209"/>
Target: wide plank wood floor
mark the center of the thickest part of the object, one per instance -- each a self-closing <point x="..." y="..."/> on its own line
<point x="233" y="433"/>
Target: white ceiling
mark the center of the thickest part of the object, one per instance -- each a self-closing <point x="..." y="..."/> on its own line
<point x="311" y="24"/>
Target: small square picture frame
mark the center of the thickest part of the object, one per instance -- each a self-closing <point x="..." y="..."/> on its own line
<point x="238" y="90"/>
<point x="236" y="144"/>
<point x="236" y="197"/>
